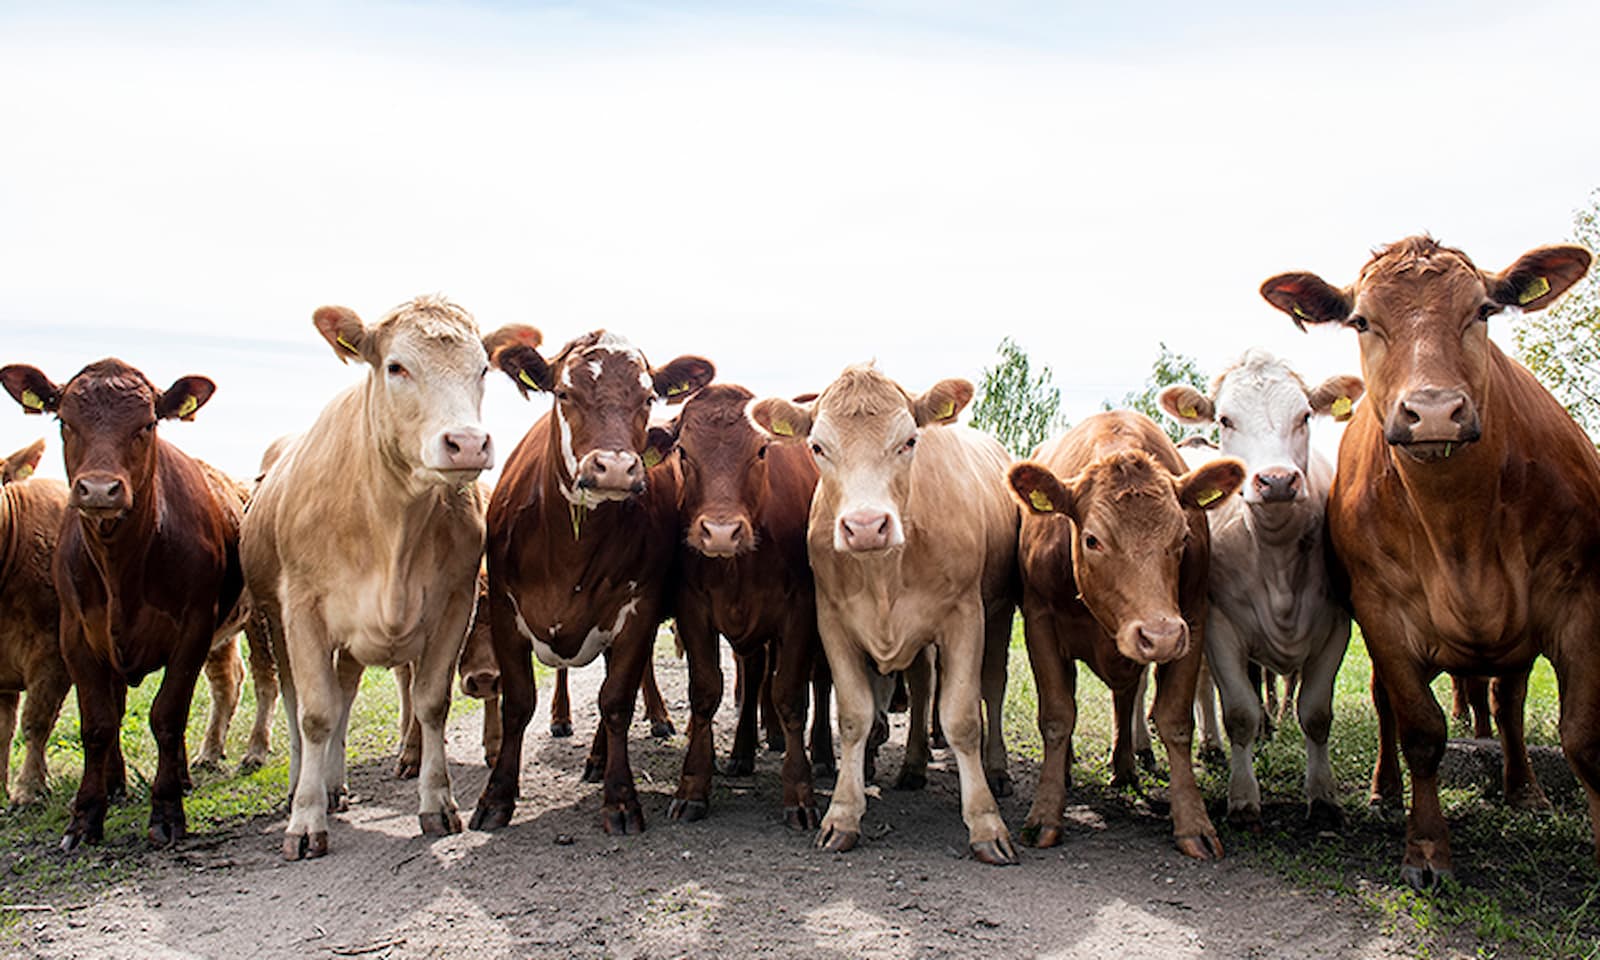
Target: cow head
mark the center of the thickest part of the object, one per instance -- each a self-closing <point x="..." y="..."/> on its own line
<point x="603" y="389"/>
<point x="425" y="383"/>
<point x="722" y="459"/>
<point x="108" y="415"/>
<point x="20" y="465"/>
<point x="1129" y="528"/>
<point x="863" y="433"/>
<point x="1422" y="311"/>
<point x="1263" y="413"/>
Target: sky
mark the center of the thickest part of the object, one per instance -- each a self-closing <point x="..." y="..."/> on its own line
<point x="783" y="188"/>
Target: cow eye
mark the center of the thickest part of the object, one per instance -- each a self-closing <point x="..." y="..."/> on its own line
<point x="561" y="394"/>
<point x="1488" y="310"/>
<point x="397" y="370"/>
<point x="1358" y="323"/>
<point x="1091" y="542"/>
<point x="909" y="445"/>
<point x="484" y="372"/>
<point x="1305" y="418"/>
<point x="761" y="453"/>
<point x="1225" y="423"/>
<point x="148" y="428"/>
<point x="816" y="448"/>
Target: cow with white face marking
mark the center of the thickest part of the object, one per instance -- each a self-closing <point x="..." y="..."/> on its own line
<point x="1272" y="601"/>
<point x="580" y="538"/>
<point x="363" y="541"/>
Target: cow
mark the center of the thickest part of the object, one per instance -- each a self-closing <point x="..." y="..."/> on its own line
<point x="1465" y="510"/>
<point x="912" y="541"/>
<point x="1273" y="601"/>
<point x="146" y="573"/>
<point x="363" y="543"/>
<point x="580" y="538"/>
<point x="1114" y="552"/>
<point x="31" y="512"/>
<point x="742" y="510"/>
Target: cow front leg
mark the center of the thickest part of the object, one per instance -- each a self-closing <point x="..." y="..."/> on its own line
<point x="790" y="681"/>
<point x="919" y="688"/>
<point x="409" y="761"/>
<point x="264" y="681"/>
<point x="620" y="812"/>
<point x="225" y="675"/>
<point x="560" y="706"/>
<point x="1139" y="723"/>
<point x="1507" y="698"/>
<point x="8" y="728"/>
<point x="1055" y="678"/>
<point x="1385" y="795"/>
<point x="1578" y="680"/>
<point x="748" y="670"/>
<point x="100" y="723"/>
<point x="1192" y="829"/>
<point x="347" y="670"/>
<point x="431" y="684"/>
<point x="1314" y="707"/>
<point x="313" y="687"/>
<point x="700" y="648"/>
<point x="655" y="708"/>
<point x="169" y="715"/>
<point x="1126" y="707"/>
<point x="1422" y="731"/>
<point x="960" y="713"/>
<point x="1241" y="716"/>
<point x="822" y="753"/>
<point x="852" y="686"/>
<point x="996" y="656"/>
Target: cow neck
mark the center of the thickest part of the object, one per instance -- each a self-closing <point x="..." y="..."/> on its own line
<point x="1286" y="543"/>
<point x="1279" y="525"/>
<point x="1453" y="501"/>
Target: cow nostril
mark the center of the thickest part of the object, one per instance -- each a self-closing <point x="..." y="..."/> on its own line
<point x="599" y="466"/>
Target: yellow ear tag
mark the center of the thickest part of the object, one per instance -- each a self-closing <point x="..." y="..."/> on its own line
<point x="1190" y="412"/>
<point x="677" y="388"/>
<point x="783" y="428"/>
<point x="24" y="472"/>
<point x="523" y="376"/>
<point x="945" y="410"/>
<point x="1041" y="502"/>
<point x="188" y="407"/>
<point x="1536" y="288"/>
<point x="1341" y="407"/>
<point x="652" y="456"/>
<point x="31" y="400"/>
<point x="1300" y="313"/>
<point x="346" y="344"/>
<point x="1209" y="497"/>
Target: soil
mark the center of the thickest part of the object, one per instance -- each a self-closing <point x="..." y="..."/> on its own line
<point x="738" y="884"/>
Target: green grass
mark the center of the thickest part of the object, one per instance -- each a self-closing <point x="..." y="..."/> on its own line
<point x="1527" y="883"/>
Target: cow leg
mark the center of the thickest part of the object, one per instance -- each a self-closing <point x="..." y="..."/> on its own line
<point x="560" y="707"/>
<point x="264" y="680"/>
<point x="853" y="690"/>
<point x="620" y="811"/>
<point x="771" y="723"/>
<point x="1241" y="714"/>
<point x="748" y="670"/>
<point x="960" y="707"/>
<point x="518" y="697"/>
<point x="1469" y="704"/>
<point x="919" y="689"/>
<point x="1192" y="830"/>
<point x="1576" y="681"/>
<point x="996" y="656"/>
<point x="491" y="729"/>
<point x="9" y="701"/>
<point x="1127" y="709"/>
<point x="409" y="762"/>
<point x="291" y="698"/>
<point x="433" y="679"/>
<point x="655" y="708"/>
<point x="1314" y="707"/>
<point x="311" y="686"/>
<point x="1140" y="724"/>
<point x="1422" y="729"/>
<point x="225" y="674"/>
<point x="169" y="715"/>
<point x="1205" y="705"/>
<point x="594" y="765"/>
<point x="348" y="672"/>
<point x="47" y="688"/>
<point x="822" y="762"/>
<point x="703" y="654"/>
<point x="1508" y="695"/>
<point x="1056" y="679"/>
<point x="1386" y="787"/>
<point x="100" y="723"/>
<point x="793" y="669"/>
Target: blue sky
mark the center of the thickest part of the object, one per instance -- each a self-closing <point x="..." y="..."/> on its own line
<point x="783" y="188"/>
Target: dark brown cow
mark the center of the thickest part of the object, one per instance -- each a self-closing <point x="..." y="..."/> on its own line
<point x="1466" y="508"/>
<point x="147" y="571"/>
<point x="743" y="505"/>
<point x="31" y="512"/>
<point x="579" y="545"/>
<point x="1115" y="551"/>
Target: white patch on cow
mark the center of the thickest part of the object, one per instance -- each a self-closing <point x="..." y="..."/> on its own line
<point x="566" y="376"/>
<point x="564" y="434"/>
<point x="522" y="625"/>
<point x="615" y="344"/>
<point x="597" y="642"/>
<point x="594" y="370"/>
<point x="646" y="380"/>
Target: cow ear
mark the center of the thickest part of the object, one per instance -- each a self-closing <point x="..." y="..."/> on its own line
<point x="781" y="419"/>
<point x="30" y="388"/>
<point x="1307" y="298"/>
<point x="1539" y="277"/>
<point x="943" y="401"/>
<point x="676" y="381"/>
<point x="1039" y="490"/>
<point x="658" y="444"/>
<point x="344" y="331"/>
<point x="1186" y="404"/>
<point x="20" y="465"/>
<point x="184" y="397"/>
<point x="514" y="349"/>
<point x="1336" y="396"/>
<point x="1210" y="485"/>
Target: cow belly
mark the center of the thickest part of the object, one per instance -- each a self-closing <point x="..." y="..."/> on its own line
<point x="596" y="641"/>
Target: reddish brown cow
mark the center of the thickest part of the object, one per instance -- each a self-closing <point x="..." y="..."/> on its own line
<point x="1115" y="551"/>
<point x="579" y="544"/>
<point x="1466" y="508"/>
<point x="31" y="512"/>
<point x="742" y="508"/>
<point x="147" y="571"/>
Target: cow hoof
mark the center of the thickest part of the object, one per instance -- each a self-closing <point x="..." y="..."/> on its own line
<point x="1210" y="754"/>
<point x="911" y="780"/>
<point x="407" y="769"/>
<point x="594" y="771"/>
<point x="209" y="764"/>
<point x="776" y="744"/>
<point x="490" y="817"/>
<point x="1000" y="784"/>
<point x="1146" y="759"/>
<point x="739" y="766"/>
<point x="937" y="741"/>
<point x="1425" y="877"/>
<point x="1530" y="798"/>
<point x="561" y="730"/>
<point x="338" y="800"/>
<point x="1390" y="810"/>
<point x="71" y="841"/>
<point x="490" y="759"/>
<point x="1324" y="815"/>
<point x="250" y="765"/>
<point x="441" y="824"/>
<point x="305" y="846"/>
<point x="837" y="841"/>
<point x="1245" y="818"/>
<point x="661" y="729"/>
<point x="1200" y="847"/>
<point x="681" y="809"/>
<point x="824" y="770"/>
<point x="166" y="834"/>
<point x="996" y="853"/>
<point x="622" y="820"/>
<point x="117" y="793"/>
<point x="1041" y="836"/>
<point x="803" y="818"/>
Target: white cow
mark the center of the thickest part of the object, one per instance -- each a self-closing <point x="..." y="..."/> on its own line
<point x="363" y="542"/>
<point x="1271" y="598"/>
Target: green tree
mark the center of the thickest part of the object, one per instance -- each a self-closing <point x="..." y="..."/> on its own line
<point x="1016" y="406"/>
<point x="1170" y="367"/>
<point x="1561" y="345"/>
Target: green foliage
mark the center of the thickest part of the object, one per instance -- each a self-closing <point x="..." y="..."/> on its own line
<point x="1561" y="344"/>
<point x="1170" y="367"/>
<point x="1015" y="406"/>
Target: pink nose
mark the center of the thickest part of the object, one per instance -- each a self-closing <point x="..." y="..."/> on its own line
<point x="611" y="470"/>
<point x="96" y="491"/>
<point x="481" y="684"/>
<point x="1276" y="484"/>
<point x="723" y="539"/>
<point x="1162" y="639"/>
<point x="465" y="448"/>
<point x="865" y="529"/>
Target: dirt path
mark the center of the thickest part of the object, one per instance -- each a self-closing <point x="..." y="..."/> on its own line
<point x="737" y="884"/>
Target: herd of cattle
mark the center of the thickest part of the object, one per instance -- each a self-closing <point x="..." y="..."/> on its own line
<point x="1461" y="530"/>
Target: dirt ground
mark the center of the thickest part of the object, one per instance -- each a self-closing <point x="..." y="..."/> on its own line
<point x="737" y="884"/>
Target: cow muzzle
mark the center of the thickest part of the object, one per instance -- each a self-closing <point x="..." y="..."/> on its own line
<point x="101" y="495"/>
<point x="460" y="449"/>
<point x="1278" y="485"/>
<point x="1154" y="640"/>
<point x="481" y="684"/>
<point x="862" y="531"/>
<point x="721" y="538"/>
<point x="1431" y="423"/>
<point x="615" y="472"/>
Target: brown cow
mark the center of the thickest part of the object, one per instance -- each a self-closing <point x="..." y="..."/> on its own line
<point x="31" y="512"/>
<point x="147" y="573"/>
<point x="579" y="543"/>
<point x="743" y="573"/>
<point x="912" y="538"/>
<point x="1114" y="552"/>
<point x="1466" y="509"/>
